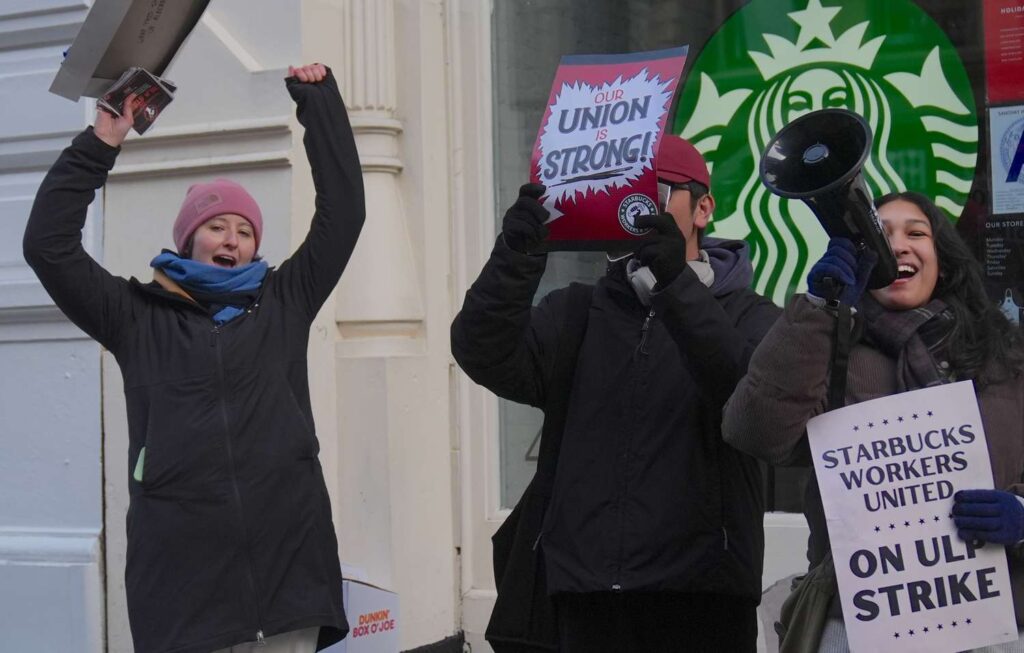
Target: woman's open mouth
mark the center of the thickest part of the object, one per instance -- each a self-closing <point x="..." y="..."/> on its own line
<point x="905" y="271"/>
<point x="224" y="261"/>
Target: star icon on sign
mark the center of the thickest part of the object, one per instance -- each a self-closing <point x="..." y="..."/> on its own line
<point x="920" y="521"/>
<point x="914" y="416"/>
<point x="899" y="419"/>
<point x="856" y="428"/>
<point x="967" y="621"/>
<point x="925" y="629"/>
<point x="896" y="635"/>
<point x="877" y="529"/>
<point x="885" y="422"/>
<point x="930" y="413"/>
<point x="871" y="425"/>
<point x="936" y="518"/>
<point x="939" y="627"/>
<point x="953" y="624"/>
<point x="892" y="527"/>
<point x="906" y="523"/>
<point x="911" y="633"/>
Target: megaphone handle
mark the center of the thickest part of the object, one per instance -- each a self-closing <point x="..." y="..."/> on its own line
<point x="832" y="290"/>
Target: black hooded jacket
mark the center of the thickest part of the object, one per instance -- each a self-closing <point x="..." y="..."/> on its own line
<point x="229" y="530"/>
<point x="647" y="496"/>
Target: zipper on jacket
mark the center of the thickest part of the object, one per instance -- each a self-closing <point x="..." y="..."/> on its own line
<point x="644" y="331"/>
<point x="725" y="539"/>
<point x="215" y="341"/>
<point x="623" y="481"/>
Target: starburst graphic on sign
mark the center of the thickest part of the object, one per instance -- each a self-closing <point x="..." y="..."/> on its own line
<point x="570" y="151"/>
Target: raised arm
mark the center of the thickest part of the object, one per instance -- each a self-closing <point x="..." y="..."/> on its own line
<point x="96" y="301"/>
<point x="311" y="273"/>
<point x="715" y="346"/>
<point x="785" y="386"/>
<point x="498" y="338"/>
<point x="787" y="381"/>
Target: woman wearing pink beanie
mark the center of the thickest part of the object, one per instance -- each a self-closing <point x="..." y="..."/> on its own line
<point x="230" y="539"/>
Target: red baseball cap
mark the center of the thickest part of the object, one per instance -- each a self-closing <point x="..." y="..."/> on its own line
<point x="680" y="162"/>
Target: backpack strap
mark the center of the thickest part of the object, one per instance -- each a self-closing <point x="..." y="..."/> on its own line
<point x="560" y="387"/>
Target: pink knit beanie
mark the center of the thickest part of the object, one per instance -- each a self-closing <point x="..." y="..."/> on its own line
<point x="213" y="198"/>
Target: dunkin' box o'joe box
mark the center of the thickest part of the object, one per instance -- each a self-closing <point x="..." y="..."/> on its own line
<point x="372" y="619"/>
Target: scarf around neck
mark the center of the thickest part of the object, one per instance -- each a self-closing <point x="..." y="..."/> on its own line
<point x="225" y="292"/>
<point x="918" y="339"/>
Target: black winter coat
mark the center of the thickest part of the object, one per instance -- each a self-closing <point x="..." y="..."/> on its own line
<point x="229" y="531"/>
<point x="647" y="496"/>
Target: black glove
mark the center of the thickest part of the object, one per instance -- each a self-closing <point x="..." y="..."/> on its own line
<point x="523" y="226"/>
<point x="849" y="270"/>
<point x="664" y="251"/>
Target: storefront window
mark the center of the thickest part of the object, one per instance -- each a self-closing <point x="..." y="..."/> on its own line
<point x="915" y="70"/>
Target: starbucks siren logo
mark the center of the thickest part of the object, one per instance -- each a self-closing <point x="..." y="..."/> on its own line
<point x="915" y="95"/>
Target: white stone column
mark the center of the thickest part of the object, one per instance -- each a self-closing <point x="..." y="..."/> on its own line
<point x="380" y="307"/>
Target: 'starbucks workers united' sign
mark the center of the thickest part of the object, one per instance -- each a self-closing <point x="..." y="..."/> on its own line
<point x="775" y="60"/>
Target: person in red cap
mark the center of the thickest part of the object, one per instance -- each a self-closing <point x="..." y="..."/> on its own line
<point x="652" y="538"/>
<point x="231" y="544"/>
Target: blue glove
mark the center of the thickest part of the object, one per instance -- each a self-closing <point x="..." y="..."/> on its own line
<point x="849" y="271"/>
<point x="989" y="516"/>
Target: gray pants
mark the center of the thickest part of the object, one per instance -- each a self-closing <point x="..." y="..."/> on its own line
<point x="297" y="641"/>
<point x="833" y="640"/>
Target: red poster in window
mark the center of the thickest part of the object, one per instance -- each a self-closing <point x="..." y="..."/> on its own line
<point x="1004" y="50"/>
<point x="597" y="143"/>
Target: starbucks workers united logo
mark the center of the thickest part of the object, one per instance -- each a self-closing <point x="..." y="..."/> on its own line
<point x="775" y="60"/>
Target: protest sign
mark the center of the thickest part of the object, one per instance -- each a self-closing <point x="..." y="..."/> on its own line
<point x="887" y="470"/>
<point x="597" y="144"/>
<point x="119" y="34"/>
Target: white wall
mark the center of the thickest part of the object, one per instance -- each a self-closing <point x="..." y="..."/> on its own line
<point x="50" y="429"/>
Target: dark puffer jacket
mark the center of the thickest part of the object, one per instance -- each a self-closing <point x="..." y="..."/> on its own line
<point x="647" y="496"/>
<point x="229" y="531"/>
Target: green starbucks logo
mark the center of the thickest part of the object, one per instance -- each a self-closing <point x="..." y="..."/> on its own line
<point x="775" y="60"/>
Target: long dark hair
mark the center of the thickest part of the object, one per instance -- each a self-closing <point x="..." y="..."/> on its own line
<point x="984" y="345"/>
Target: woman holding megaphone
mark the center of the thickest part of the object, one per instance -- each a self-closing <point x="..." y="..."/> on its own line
<point x="934" y="324"/>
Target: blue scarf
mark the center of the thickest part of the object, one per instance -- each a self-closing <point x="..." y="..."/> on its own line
<point x="227" y="291"/>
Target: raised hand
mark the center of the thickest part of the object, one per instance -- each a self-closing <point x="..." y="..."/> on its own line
<point x="523" y="226"/>
<point x="309" y="74"/>
<point x="664" y="250"/>
<point x="112" y="129"/>
<point x="848" y="270"/>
